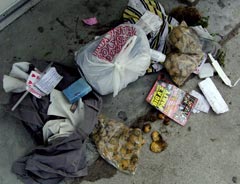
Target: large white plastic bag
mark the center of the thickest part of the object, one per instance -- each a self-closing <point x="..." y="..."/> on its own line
<point x="130" y="63"/>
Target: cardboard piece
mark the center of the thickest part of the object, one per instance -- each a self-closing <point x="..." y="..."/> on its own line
<point x="171" y="101"/>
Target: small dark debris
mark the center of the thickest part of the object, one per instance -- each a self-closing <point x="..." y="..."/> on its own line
<point x="97" y="3"/>
<point x="92" y="9"/>
<point x="189" y="129"/>
<point x="81" y="41"/>
<point x="51" y="28"/>
<point x="40" y="29"/>
<point x="189" y="3"/>
<point x="230" y="103"/>
<point x="122" y="115"/>
<point x="213" y="140"/>
<point x="70" y="51"/>
<point x="234" y="179"/>
<point x="101" y="29"/>
<point x="47" y="53"/>
<point x="166" y="121"/>
<point x="85" y="3"/>
<point x="76" y="28"/>
<point x="150" y="116"/>
<point x="215" y="73"/>
<point x="92" y="33"/>
<point x="189" y="14"/>
<point x="106" y="4"/>
<point x="221" y="4"/>
<point x="62" y="23"/>
<point x="164" y="132"/>
<point x="75" y="42"/>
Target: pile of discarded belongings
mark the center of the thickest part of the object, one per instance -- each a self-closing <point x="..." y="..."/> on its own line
<point x="61" y="106"/>
<point x="59" y="127"/>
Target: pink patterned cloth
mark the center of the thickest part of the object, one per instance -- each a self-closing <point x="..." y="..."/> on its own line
<point x="112" y="43"/>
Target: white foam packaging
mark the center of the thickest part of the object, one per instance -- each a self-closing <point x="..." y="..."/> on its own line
<point x="221" y="73"/>
<point x="213" y="96"/>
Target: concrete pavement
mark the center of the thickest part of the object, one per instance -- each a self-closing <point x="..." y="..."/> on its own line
<point x="205" y="151"/>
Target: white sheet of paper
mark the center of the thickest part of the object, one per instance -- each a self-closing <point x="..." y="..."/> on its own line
<point x="49" y="81"/>
<point x="202" y="104"/>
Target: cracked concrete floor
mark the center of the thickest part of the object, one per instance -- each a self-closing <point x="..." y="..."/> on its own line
<point x="205" y="151"/>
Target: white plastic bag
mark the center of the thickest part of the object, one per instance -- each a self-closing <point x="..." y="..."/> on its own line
<point x="112" y="75"/>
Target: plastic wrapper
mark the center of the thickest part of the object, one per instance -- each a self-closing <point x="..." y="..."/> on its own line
<point x="186" y="53"/>
<point x="158" y="36"/>
<point x="180" y="66"/>
<point x="118" y="144"/>
<point x="185" y="40"/>
<point x="116" y="59"/>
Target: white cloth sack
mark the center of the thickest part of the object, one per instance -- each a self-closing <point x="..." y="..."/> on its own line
<point x="16" y="80"/>
<point x="130" y="63"/>
<point x="61" y="107"/>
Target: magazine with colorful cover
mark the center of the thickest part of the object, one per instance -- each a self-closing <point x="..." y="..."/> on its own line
<point x="171" y="101"/>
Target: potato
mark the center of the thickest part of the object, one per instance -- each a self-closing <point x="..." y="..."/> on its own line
<point x="147" y="128"/>
<point x="158" y="146"/>
<point x="156" y="136"/>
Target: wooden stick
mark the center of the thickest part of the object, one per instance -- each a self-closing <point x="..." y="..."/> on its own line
<point x="26" y="92"/>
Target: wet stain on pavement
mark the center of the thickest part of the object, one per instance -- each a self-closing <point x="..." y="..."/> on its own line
<point x="221" y="4"/>
<point x="234" y="179"/>
<point x="122" y="115"/>
<point x="40" y="29"/>
<point x="100" y="169"/>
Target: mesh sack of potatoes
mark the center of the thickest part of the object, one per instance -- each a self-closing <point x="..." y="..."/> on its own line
<point x="186" y="53"/>
<point x="118" y="144"/>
